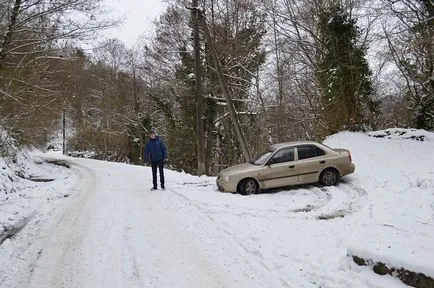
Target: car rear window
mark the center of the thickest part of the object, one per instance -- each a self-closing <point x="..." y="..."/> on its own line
<point x="309" y="151"/>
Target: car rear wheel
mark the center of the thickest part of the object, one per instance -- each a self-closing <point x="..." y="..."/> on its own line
<point x="329" y="177"/>
<point x="249" y="187"/>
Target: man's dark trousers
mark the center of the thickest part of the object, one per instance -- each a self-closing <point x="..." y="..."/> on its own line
<point x="160" y="165"/>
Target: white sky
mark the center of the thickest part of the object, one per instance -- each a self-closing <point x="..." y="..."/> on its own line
<point x="137" y="16"/>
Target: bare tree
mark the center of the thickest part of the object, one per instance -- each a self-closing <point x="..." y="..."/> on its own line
<point x="410" y="38"/>
<point x="35" y="43"/>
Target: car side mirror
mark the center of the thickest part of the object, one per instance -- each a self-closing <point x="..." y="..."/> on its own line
<point x="270" y="162"/>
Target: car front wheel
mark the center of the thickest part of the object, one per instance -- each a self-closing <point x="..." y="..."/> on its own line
<point x="329" y="177"/>
<point x="249" y="187"/>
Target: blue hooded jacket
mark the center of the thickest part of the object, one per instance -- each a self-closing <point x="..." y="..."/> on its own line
<point x="155" y="150"/>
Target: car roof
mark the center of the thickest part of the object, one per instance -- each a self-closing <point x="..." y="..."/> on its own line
<point x="289" y="144"/>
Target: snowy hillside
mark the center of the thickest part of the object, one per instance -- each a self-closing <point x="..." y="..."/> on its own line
<point x="30" y="186"/>
<point x="114" y="232"/>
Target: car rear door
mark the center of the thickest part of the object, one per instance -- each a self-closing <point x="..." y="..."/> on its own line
<point x="280" y="170"/>
<point x="311" y="160"/>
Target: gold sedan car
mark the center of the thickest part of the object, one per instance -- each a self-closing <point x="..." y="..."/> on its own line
<point x="287" y="164"/>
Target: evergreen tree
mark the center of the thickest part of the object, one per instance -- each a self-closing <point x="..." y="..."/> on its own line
<point x="239" y="46"/>
<point x="343" y="74"/>
<point x="241" y="56"/>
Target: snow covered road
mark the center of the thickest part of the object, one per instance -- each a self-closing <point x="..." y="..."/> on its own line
<point x="114" y="232"/>
<point x="118" y="234"/>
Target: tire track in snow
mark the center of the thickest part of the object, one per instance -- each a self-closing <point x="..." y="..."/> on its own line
<point x="344" y="199"/>
<point x="258" y="265"/>
<point x="328" y="203"/>
<point x="25" y="250"/>
<point x="254" y="257"/>
<point x="133" y="274"/>
<point x="121" y="236"/>
<point x="356" y="197"/>
<point x="53" y="263"/>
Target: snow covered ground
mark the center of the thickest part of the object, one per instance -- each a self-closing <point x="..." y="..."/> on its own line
<point x="97" y="224"/>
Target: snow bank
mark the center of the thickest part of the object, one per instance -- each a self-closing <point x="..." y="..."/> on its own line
<point x="16" y="165"/>
<point x="9" y="182"/>
<point x="398" y="175"/>
<point x="24" y="186"/>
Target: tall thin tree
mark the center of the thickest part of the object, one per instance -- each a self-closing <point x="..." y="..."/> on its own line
<point x="199" y="96"/>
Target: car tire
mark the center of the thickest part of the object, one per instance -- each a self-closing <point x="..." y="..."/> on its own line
<point x="249" y="187"/>
<point x="329" y="177"/>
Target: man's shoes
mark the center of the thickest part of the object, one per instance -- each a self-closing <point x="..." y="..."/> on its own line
<point x="163" y="187"/>
<point x="153" y="188"/>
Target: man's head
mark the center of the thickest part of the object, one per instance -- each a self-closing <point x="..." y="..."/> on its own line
<point x="152" y="133"/>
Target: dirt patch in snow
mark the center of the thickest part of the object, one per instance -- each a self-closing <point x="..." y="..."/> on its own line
<point x="415" y="279"/>
<point x="337" y="214"/>
<point x="400" y="133"/>
<point x="37" y="179"/>
<point x="59" y="163"/>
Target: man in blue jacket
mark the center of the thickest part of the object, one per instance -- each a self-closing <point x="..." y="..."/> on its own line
<point x="156" y="152"/>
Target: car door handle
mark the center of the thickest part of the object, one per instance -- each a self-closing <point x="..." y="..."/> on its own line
<point x="292" y="166"/>
<point x="322" y="162"/>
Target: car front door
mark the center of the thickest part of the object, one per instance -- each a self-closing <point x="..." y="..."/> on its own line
<point x="311" y="160"/>
<point x="280" y="170"/>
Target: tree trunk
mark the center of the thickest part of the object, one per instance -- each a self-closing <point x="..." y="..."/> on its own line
<point x="279" y="71"/>
<point x="199" y="99"/>
<point x="8" y="35"/>
<point x="137" y="112"/>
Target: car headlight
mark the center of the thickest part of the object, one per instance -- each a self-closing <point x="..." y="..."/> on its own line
<point x="223" y="178"/>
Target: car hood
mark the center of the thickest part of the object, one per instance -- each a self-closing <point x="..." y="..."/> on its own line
<point x="238" y="169"/>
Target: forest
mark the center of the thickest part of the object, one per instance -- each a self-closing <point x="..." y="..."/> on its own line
<point x="220" y="80"/>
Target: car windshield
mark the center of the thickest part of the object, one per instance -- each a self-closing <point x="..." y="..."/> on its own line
<point x="262" y="158"/>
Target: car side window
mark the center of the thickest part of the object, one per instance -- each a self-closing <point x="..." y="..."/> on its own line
<point x="283" y="155"/>
<point x="309" y="151"/>
<point x="319" y="152"/>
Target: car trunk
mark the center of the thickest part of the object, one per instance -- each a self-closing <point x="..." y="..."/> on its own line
<point x="343" y="152"/>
